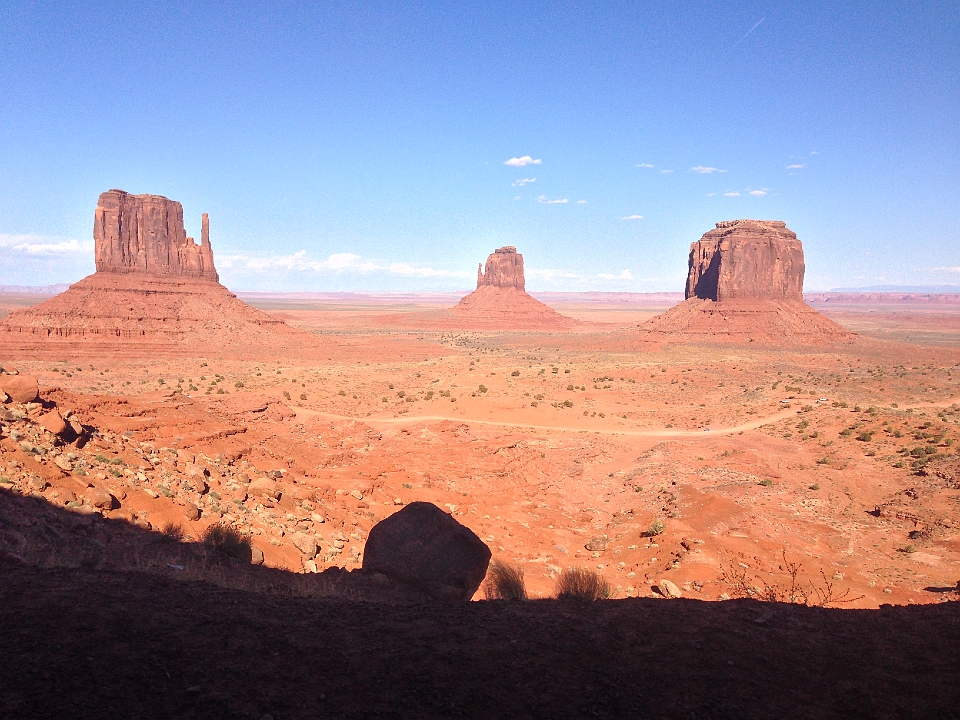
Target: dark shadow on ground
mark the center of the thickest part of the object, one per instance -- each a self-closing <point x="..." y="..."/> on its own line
<point x="94" y="639"/>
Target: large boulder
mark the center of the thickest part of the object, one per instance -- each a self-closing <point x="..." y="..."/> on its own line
<point x="424" y="546"/>
<point x="20" y="388"/>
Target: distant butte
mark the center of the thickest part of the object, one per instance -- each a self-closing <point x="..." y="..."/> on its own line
<point x="745" y="284"/>
<point x="501" y="302"/>
<point x="154" y="289"/>
<point x="144" y="234"/>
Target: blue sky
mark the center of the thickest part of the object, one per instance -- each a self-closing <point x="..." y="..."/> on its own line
<point x="363" y="146"/>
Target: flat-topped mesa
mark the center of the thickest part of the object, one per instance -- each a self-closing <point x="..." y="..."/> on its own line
<point x="145" y="234"/>
<point x="759" y="259"/>
<point x="504" y="269"/>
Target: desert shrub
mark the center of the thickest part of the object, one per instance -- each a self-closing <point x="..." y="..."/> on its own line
<point x="504" y="582"/>
<point x="227" y="541"/>
<point x="656" y="528"/>
<point x="581" y="584"/>
<point x="766" y="482"/>
<point x="173" y="531"/>
<point x="482" y="388"/>
<point x="515" y="373"/>
<point x="864" y="437"/>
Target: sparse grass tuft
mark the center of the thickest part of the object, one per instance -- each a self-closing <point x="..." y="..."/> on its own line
<point x="504" y="582"/>
<point x="228" y="541"/>
<point x="581" y="584"/>
<point x="173" y="530"/>
<point x="656" y="528"/>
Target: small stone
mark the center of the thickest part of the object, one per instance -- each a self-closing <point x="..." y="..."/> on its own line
<point x="306" y="544"/>
<point x="357" y="494"/>
<point x="317" y="517"/>
<point x="266" y="487"/>
<point x="597" y="544"/>
<point x="398" y="501"/>
<point x="53" y="422"/>
<point x="191" y="512"/>
<point x="256" y="555"/>
<point x="99" y="499"/>
<point x="61" y="462"/>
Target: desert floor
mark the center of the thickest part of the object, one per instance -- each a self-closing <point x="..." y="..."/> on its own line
<point x="716" y="467"/>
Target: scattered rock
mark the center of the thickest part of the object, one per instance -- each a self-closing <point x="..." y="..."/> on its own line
<point x="20" y="388"/>
<point x="423" y="545"/>
<point x="306" y="544"/>
<point x="668" y="589"/>
<point x="597" y="544"/>
<point x="191" y="512"/>
<point x="53" y="422"/>
<point x="100" y="498"/>
<point x="265" y="486"/>
<point x="357" y="494"/>
<point x="256" y="555"/>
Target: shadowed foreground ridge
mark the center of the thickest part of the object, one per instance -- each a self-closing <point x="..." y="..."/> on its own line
<point x="83" y="638"/>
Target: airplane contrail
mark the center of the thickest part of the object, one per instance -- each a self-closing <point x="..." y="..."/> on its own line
<point x="750" y="31"/>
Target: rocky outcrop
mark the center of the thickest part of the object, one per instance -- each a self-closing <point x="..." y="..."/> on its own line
<point x="504" y="269"/>
<point x="423" y="546"/>
<point x="145" y="234"/>
<point x="739" y="259"/>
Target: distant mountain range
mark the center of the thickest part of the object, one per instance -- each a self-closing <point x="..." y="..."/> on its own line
<point x="900" y="289"/>
<point x="34" y="289"/>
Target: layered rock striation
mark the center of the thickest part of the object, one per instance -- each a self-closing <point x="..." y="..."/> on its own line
<point x="155" y="290"/>
<point x="145" y="234"/>
<point x="745" y="284"/>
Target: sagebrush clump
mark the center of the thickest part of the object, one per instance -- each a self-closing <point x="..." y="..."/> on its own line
<point x="581" y="584"/>
<point x="228" y="541"/>
<point x="504" y="582"/>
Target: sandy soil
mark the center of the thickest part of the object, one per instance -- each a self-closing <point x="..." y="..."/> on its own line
<point x="713" y="467"/>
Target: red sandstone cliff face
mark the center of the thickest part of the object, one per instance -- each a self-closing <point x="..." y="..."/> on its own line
<point x="740" y="259"/>
<point x="504" y="269"/>
<point x="145" y="234"/>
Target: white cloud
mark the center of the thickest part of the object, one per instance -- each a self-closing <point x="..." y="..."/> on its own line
<point x="581" y="202"/>
<point x="797" y="166"/>
<point x="758" y="193"/>
<point x="664" y="172"/>
<point x="40" y="245"/>
<point x="731" y="194"/>
<point x="705" y="170"/>
<point x="544" y="200"/>
<point x="625" y="275"/>
<point x="522" y="161"/>
<point x="955" y="269"/>
<point x="337" y="263"/>
<point x="815" y="152"/>
<point x="632" y="217"/>
<point x="522" y="181"/>
<point x="710" y="194"/>
<point x="644" y="165"/>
